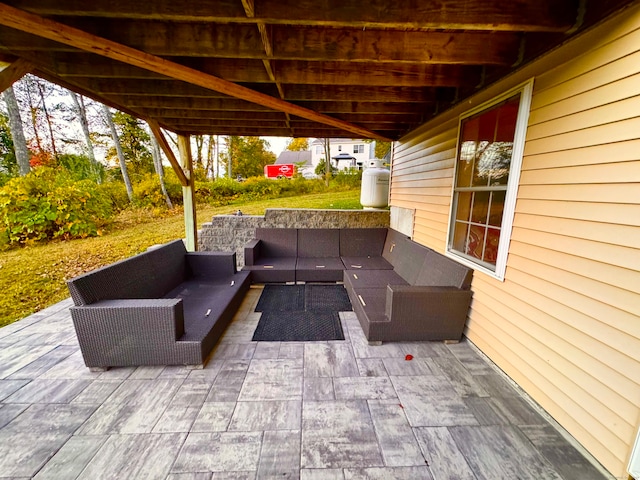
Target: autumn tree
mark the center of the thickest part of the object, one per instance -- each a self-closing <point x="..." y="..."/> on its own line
<point x="134" y="140"/>
<point x="81" y="114"/>
<point x="298" y="145"/>
<point x="18" y="141"/>
<point x="157" y="163"/>
<point x="108" y="118"/>
<point x="247" y="156"/>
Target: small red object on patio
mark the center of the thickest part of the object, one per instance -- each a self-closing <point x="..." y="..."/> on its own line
<point x="408" y="357"/>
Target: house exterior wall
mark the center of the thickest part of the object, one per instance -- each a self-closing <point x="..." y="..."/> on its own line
<point x="565" y="322"/>
<point x="341" y="145"/>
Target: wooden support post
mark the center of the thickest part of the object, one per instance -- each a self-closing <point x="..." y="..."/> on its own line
<point x="188" y="193"/>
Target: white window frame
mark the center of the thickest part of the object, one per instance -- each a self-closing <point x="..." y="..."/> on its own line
<point x="526" y="91"/>
<point x="358" y="148"/>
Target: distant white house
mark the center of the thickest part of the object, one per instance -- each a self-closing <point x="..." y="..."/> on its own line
<point x="345" y="153"/>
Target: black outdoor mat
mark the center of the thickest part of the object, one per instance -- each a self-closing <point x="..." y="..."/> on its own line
<point x="333" y="298"/>
<point x="298" y="326"/>
<point x="278" y="298"/>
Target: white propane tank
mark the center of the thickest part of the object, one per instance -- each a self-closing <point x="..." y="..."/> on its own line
<point x="374" y="191"/>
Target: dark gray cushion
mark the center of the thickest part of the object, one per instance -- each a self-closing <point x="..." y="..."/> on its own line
<point x="278" y="242"/>
<point x="318" y="243"/>
<point x="362" y="242"/>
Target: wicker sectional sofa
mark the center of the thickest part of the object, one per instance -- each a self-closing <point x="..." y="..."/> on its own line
<point x="162" y="307"/>
<point x="400" y="290"/>
<point x="419" y="295"/>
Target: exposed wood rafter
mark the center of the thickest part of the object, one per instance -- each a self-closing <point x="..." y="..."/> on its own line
<point x="249" y="9"/>
<point x="44" y="27"/>
<point x="166" y="148"/>
<point x="496" y="15"/>
<point x="14" y="72"/>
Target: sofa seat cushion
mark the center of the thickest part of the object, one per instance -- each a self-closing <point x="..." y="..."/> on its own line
<point x="358" y="279"/>
<point x="319" y="269"/>
<point x="204" y="303"/>
<point x="366" y="263"/>
<point x="273" y="269"/>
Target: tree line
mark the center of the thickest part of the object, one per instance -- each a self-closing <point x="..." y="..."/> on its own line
<point x="43" y="122"/>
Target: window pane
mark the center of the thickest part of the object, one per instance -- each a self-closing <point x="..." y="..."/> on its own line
<point x="497" y="206"/>
<point x="475" y="244"/>
<point x="480" y="207"/>
<point x="464" y="206"/>
<point x="468" y="147"/>
<point x="491" y="247"/>
<point x="505" y="134"/>
<point x="493" y="133"/>
<point x="460" y="237"/>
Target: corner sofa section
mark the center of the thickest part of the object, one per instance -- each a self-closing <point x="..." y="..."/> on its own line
<point x="426" y="296"/>
<point x="162" y="307"/>
<point x="399" y="289"/>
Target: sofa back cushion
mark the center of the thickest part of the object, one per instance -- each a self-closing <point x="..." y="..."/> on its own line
<point x="362" y="242"/>
<point x="318" y="242"/>
<point x="147" y="275"/>
<point x="439" y="270"/>
<point x="278" y="242"/>
<point x="408" y="258"/>
<point x="169" y="267"/>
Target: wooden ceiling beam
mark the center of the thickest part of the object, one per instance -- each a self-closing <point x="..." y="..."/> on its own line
<point x="370" y="107"/>
<point x="219" y="105"/>
<point x="145" y="87"/>
<point x="81" y="90"/>
<point x="186" y="122"/>
<point x="14" y="72"/>
<point x="280" y="72"/>
<point x="362" y="93"/>
<point x="211" y="114"/>
<point x="399" y="75"/>
<point x="175" y="102"/>
<point x="503" y="15"/>
<point x="25" y="21"/>
<point x="292" y="42"/>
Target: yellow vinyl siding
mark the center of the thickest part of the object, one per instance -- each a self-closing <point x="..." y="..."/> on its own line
<point x="565" y="323"/>
<point x="595" y="212"/>
<point x="612" y="92"/>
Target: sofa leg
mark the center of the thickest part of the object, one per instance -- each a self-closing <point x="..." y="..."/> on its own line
<point x="451" y="342"/>
<point x="98" y="369"/>
<point x="375" y="343"/>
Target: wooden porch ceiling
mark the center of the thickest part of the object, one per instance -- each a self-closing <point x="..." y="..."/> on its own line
<point x="303" y="68"/>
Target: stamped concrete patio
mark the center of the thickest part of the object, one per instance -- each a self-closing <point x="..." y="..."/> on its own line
<point x="323" y="410"/>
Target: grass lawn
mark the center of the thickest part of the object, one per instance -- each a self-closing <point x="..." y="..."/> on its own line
<point x="33" y="277"/>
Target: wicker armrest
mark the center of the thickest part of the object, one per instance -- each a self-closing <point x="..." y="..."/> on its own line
<point x="142" y="318"/>
<point x="211" y="265"/>
<point x="413" y="304"/>
<point x="252" y="252"/>
<point x="128" y="332"/>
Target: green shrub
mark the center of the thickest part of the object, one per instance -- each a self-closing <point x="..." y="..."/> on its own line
<point x="81" y="167"/>
<point x="224" y="190"/>
<point x="148" y="193"/>
<point x="347" y="178"/>
<point x="116" y="193"/>
<point x="47" y="204"/>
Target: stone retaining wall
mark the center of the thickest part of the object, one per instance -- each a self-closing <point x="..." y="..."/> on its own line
<point x="232" y="233"/>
